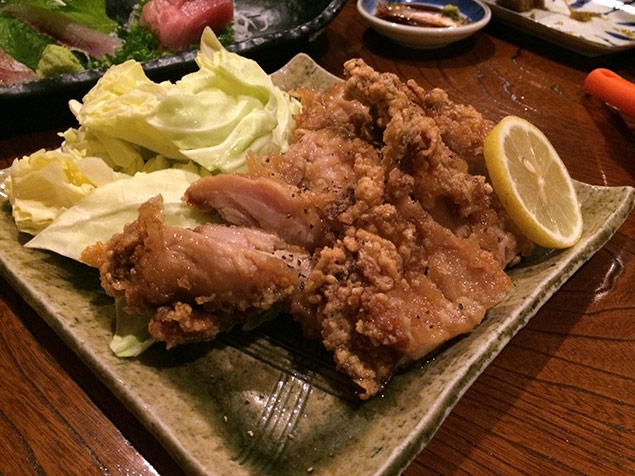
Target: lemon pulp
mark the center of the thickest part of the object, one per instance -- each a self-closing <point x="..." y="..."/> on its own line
<point x="533" y="183"/>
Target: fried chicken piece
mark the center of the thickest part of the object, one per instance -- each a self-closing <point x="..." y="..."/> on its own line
<point x="462" y="127"/>
<point x="395" y="286"/>
<point x="260" y="202"/>
<point x="195" y="283"/>
<point x="331" y="110"/>
<point x="321" y="164"/>
<point x="414" y="143"/>
<point x="391" y="283"/>
<point x="411" y="246"/>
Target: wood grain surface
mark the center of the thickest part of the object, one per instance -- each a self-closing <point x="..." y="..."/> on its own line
<point x="560" y="398"/>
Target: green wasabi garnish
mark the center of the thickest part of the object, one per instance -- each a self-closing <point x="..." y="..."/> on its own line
<point x="452" y="11"/>
<point x="57" y="60"/>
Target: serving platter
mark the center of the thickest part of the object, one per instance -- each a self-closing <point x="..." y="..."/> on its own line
<point x="268" y="402"/>
<point x="263" y="25"/>
<point x="608" y="26"/>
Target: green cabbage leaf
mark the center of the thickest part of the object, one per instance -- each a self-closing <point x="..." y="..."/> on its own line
<point x="131" y="337"/>
<point x="42" y="186"/>
<point x="106" y="210"/>
<point x="212" y="117"/>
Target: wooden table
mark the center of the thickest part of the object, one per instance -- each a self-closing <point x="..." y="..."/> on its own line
<point x="560" y="399"/>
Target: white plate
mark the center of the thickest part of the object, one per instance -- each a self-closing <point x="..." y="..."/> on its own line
<point x="612" y="30"/>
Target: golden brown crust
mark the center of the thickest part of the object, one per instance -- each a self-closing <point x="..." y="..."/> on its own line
<point x="413" y="241"/>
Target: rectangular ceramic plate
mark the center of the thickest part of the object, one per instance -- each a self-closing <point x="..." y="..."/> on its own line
<point x="610" y="28"/>
<point x="267" y="402"/>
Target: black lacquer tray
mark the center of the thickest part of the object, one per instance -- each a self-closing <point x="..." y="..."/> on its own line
<point x="268" y="26"/>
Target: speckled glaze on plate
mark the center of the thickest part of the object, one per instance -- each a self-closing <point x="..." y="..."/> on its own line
<point x="267" y="402"/>
<point x="610" y="28"/>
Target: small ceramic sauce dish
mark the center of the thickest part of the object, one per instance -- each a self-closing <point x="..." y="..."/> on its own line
<point x="474" y="15"/>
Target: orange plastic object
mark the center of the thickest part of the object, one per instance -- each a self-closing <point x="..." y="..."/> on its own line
<point x="612" y="89"/>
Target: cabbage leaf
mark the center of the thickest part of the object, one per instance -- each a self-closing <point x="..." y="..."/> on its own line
<point x="108" y="208"/>
<point x="42" y="186"/>
<point x="131" y="337"/>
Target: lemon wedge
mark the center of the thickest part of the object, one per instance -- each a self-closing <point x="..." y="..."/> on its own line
<point x="533" y="183"/>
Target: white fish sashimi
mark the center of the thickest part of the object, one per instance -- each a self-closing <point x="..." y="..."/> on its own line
<point x="72" y="34"/>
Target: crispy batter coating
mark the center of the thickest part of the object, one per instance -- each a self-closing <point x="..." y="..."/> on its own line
<point x="439" y="143"/>
<point x="375" y="230"/>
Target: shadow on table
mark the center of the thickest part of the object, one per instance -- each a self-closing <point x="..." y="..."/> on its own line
<point x="457" y="52"/>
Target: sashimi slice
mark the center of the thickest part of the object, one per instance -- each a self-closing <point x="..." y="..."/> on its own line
<point x="72" y="34"/>
<point x="14" y="72"/>
<point x="179" y="23"/>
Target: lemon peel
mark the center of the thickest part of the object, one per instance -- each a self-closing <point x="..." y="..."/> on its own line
<point x="532" y="183"/>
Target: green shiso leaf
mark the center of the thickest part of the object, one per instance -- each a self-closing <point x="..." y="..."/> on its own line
<point x="21" y="41"/>
<point x="90" y="13"/>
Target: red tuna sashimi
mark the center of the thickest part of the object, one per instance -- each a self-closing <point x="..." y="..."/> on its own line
<point x="14" y="72"/>
<point x="72" y="34"/>
<point x="179" y="23"/>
